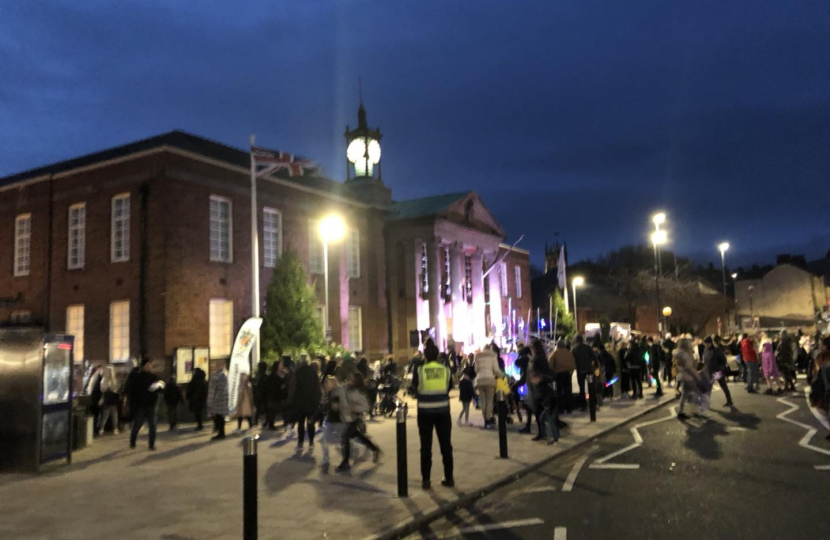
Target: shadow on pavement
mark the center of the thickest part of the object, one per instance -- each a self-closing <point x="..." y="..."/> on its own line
<point x="173" y="452"/>
<point x="701" y="439"/>
<point x="745" y="420"/>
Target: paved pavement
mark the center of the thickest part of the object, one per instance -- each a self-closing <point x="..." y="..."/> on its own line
<point x="749" y="473"/>
<point x="190" y="488"/>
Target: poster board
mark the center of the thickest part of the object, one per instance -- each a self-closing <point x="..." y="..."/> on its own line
<point x="201" y="359"/>
<point x="184" y="364"/>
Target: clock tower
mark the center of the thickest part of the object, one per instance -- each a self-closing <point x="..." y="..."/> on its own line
<point x="363" y="168"/>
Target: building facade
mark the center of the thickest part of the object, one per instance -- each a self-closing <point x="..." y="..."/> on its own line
<point x="145" y="248"/>
<point x="786" y="297"/>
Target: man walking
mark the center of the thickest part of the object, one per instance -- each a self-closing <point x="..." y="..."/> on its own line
<point x="562" y="364"/>
<point x="584" y="358"/>
<point x="432" y="382"/>
<point x="750" y="357"/>
<point x="715" y="361"/>
<point x="142" y="390"/>
<point x="656" y="360"/>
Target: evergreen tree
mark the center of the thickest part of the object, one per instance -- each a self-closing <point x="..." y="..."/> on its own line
<point x="565" y="320"/>
<point x="290" y="322"/>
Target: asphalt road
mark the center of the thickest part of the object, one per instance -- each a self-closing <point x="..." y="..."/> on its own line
<point x="737" y="474"/>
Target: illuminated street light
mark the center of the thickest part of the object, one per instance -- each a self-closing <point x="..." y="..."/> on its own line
<point x="578" y="281"/>
<point x="331" y="229"/>
<point x="735" y="275"/>
<point x="722" y="247"/>
<point x="658" y="238"/>
<point x="658" y="219"/>
<point x="667" y="311"/>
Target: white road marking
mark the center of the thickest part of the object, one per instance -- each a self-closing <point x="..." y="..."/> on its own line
<point x="805" y="440"/>
<point x="540" y="489"/>
<point x="560" y="533"/>
<point x="638" y="441"/>
<point x="569" y="482"/>
<point x="502" y="525"/>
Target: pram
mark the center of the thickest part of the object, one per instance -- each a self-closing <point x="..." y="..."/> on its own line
<point x="387" y="395"/>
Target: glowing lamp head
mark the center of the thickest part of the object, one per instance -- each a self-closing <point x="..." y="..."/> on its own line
<point x="667" y="311"/>
<point x="723" y="246"/>
<point x="659" y="237"/>
<point x="332" y="228"/>
<point x="659" y="218"/>
<point x="735" y="275"/>
<point x="364" y="153"/>
<point x="579" y="281"/>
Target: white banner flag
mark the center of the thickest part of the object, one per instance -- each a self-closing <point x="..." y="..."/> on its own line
<point x="240" y="364"/>
<point x="563" y="279"/>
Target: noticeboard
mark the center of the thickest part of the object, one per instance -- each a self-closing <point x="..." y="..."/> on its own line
<point x="201" y="359"/>
<point x="184" y="364"/>
<point x="56" y="398"/>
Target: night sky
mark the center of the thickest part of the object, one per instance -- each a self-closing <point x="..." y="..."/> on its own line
<point x="580" y="117"/>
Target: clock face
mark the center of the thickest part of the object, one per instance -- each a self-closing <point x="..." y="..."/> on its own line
<point x="356" y="152"/>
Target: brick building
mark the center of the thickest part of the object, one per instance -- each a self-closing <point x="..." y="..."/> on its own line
<point x="145" y="247"/>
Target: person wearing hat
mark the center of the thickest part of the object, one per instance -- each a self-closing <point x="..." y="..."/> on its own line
<point x="143" y="389"/>
<point x="715" y="362"/>
<point x="432" y="381"/>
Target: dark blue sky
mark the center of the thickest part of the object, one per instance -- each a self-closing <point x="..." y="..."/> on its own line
<point x="579" y="117"/>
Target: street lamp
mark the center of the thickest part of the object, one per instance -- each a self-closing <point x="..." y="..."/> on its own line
<point x="332" y="229"/>
<point x="658" y="238"/>
<point x="658" y="219"/>
<point x="722" y="247"/>
<point x="578" y="281"/>
<point x="666" y="314"/>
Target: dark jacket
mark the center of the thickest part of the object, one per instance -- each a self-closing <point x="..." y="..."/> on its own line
<point x="304" y="392"/>
<point x="172" y="394"/>
<point x="544" y="396"/>
<point x="140" y="395"/>
<point x="608" y="362"/>
<point x="584" y="357"/>
<point x="196" y="392"/>
<point x="634" y="357"/>
<point x="655" y="357"/>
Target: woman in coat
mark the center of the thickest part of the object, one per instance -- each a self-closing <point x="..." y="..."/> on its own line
<point x="196" y="395"/>
<point x="687" y="375"/>
<point x="770" y="368"/>
<point x="218" y="402"/>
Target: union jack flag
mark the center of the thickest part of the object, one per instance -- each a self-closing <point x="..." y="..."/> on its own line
<point x="267" y="161"/>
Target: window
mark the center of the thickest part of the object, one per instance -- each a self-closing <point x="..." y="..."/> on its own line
<point x="518" y="281"/>
<point x="446" y="271"/>
<point x="221" y="328"/>
<point x="22" y="244"/>
<point x="120" y="331"/>
<point x="468" y="279"/>
<point x="315" y="248"/>
<point x="22" y="316"/>
<point x="503" y="276"/>
<point x="424" y="276"/>
<point x="76" y="244"/>
<point x="120" y="242"/>
<point x="353" y="253"/>
<point x="220" y="229"/>
<point x="355" y="328"/>
<point x="75" y="327"/>
<point x="271" y="236"/>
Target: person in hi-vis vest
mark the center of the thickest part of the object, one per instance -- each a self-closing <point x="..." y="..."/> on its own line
<point x="432" y="382"/>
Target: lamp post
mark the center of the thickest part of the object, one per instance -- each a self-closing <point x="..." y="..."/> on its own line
<point x="332" y="230"/>
<point x="722" y="247"/>
<point x="578" y="281"/>
<point x="658" y="237"/>
<point x="667" y="311"/>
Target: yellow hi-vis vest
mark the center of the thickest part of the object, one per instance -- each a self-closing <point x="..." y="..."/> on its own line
<point x="433" y="388"/>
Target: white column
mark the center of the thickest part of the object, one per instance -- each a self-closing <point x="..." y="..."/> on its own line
<point x="459" y="304"/>
<point x="434" y="250"/>
<point x="478" y="330"/>
<point x="495" y="298"/>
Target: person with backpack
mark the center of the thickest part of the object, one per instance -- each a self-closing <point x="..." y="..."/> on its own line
<point x="715" y="362"/>
<point x="353" y="406"/>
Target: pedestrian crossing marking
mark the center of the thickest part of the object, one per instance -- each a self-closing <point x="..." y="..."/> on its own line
<point x="601" y="463"/>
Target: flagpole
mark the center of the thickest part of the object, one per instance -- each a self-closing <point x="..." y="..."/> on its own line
<point x="254" y="256"/>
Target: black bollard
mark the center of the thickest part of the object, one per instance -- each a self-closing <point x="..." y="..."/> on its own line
<point x="249" y="488"/>
<point x="502" y="405"/>
<point x="403" y="477"/>
<point x="592" y="398"/>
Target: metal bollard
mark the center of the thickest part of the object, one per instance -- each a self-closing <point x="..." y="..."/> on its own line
<point x="403" y="476"/>
<point x="249" y="488"/>
<point x="502" y="405"/>
<point x="592" y="398"/>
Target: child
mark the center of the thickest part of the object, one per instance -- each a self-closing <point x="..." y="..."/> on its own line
<point x="545" y="398"/>
<point x="465" y="395"/>
<point x="172" y="397"/>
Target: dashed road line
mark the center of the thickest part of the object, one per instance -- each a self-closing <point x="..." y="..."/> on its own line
<point x="560" y="533"/>
<point x="822" y="418"/>
<point x="601" y="463"/>
<point x="503" y="525"/>
<point x="811" y="431"/>
<point x="540" y="489"/>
